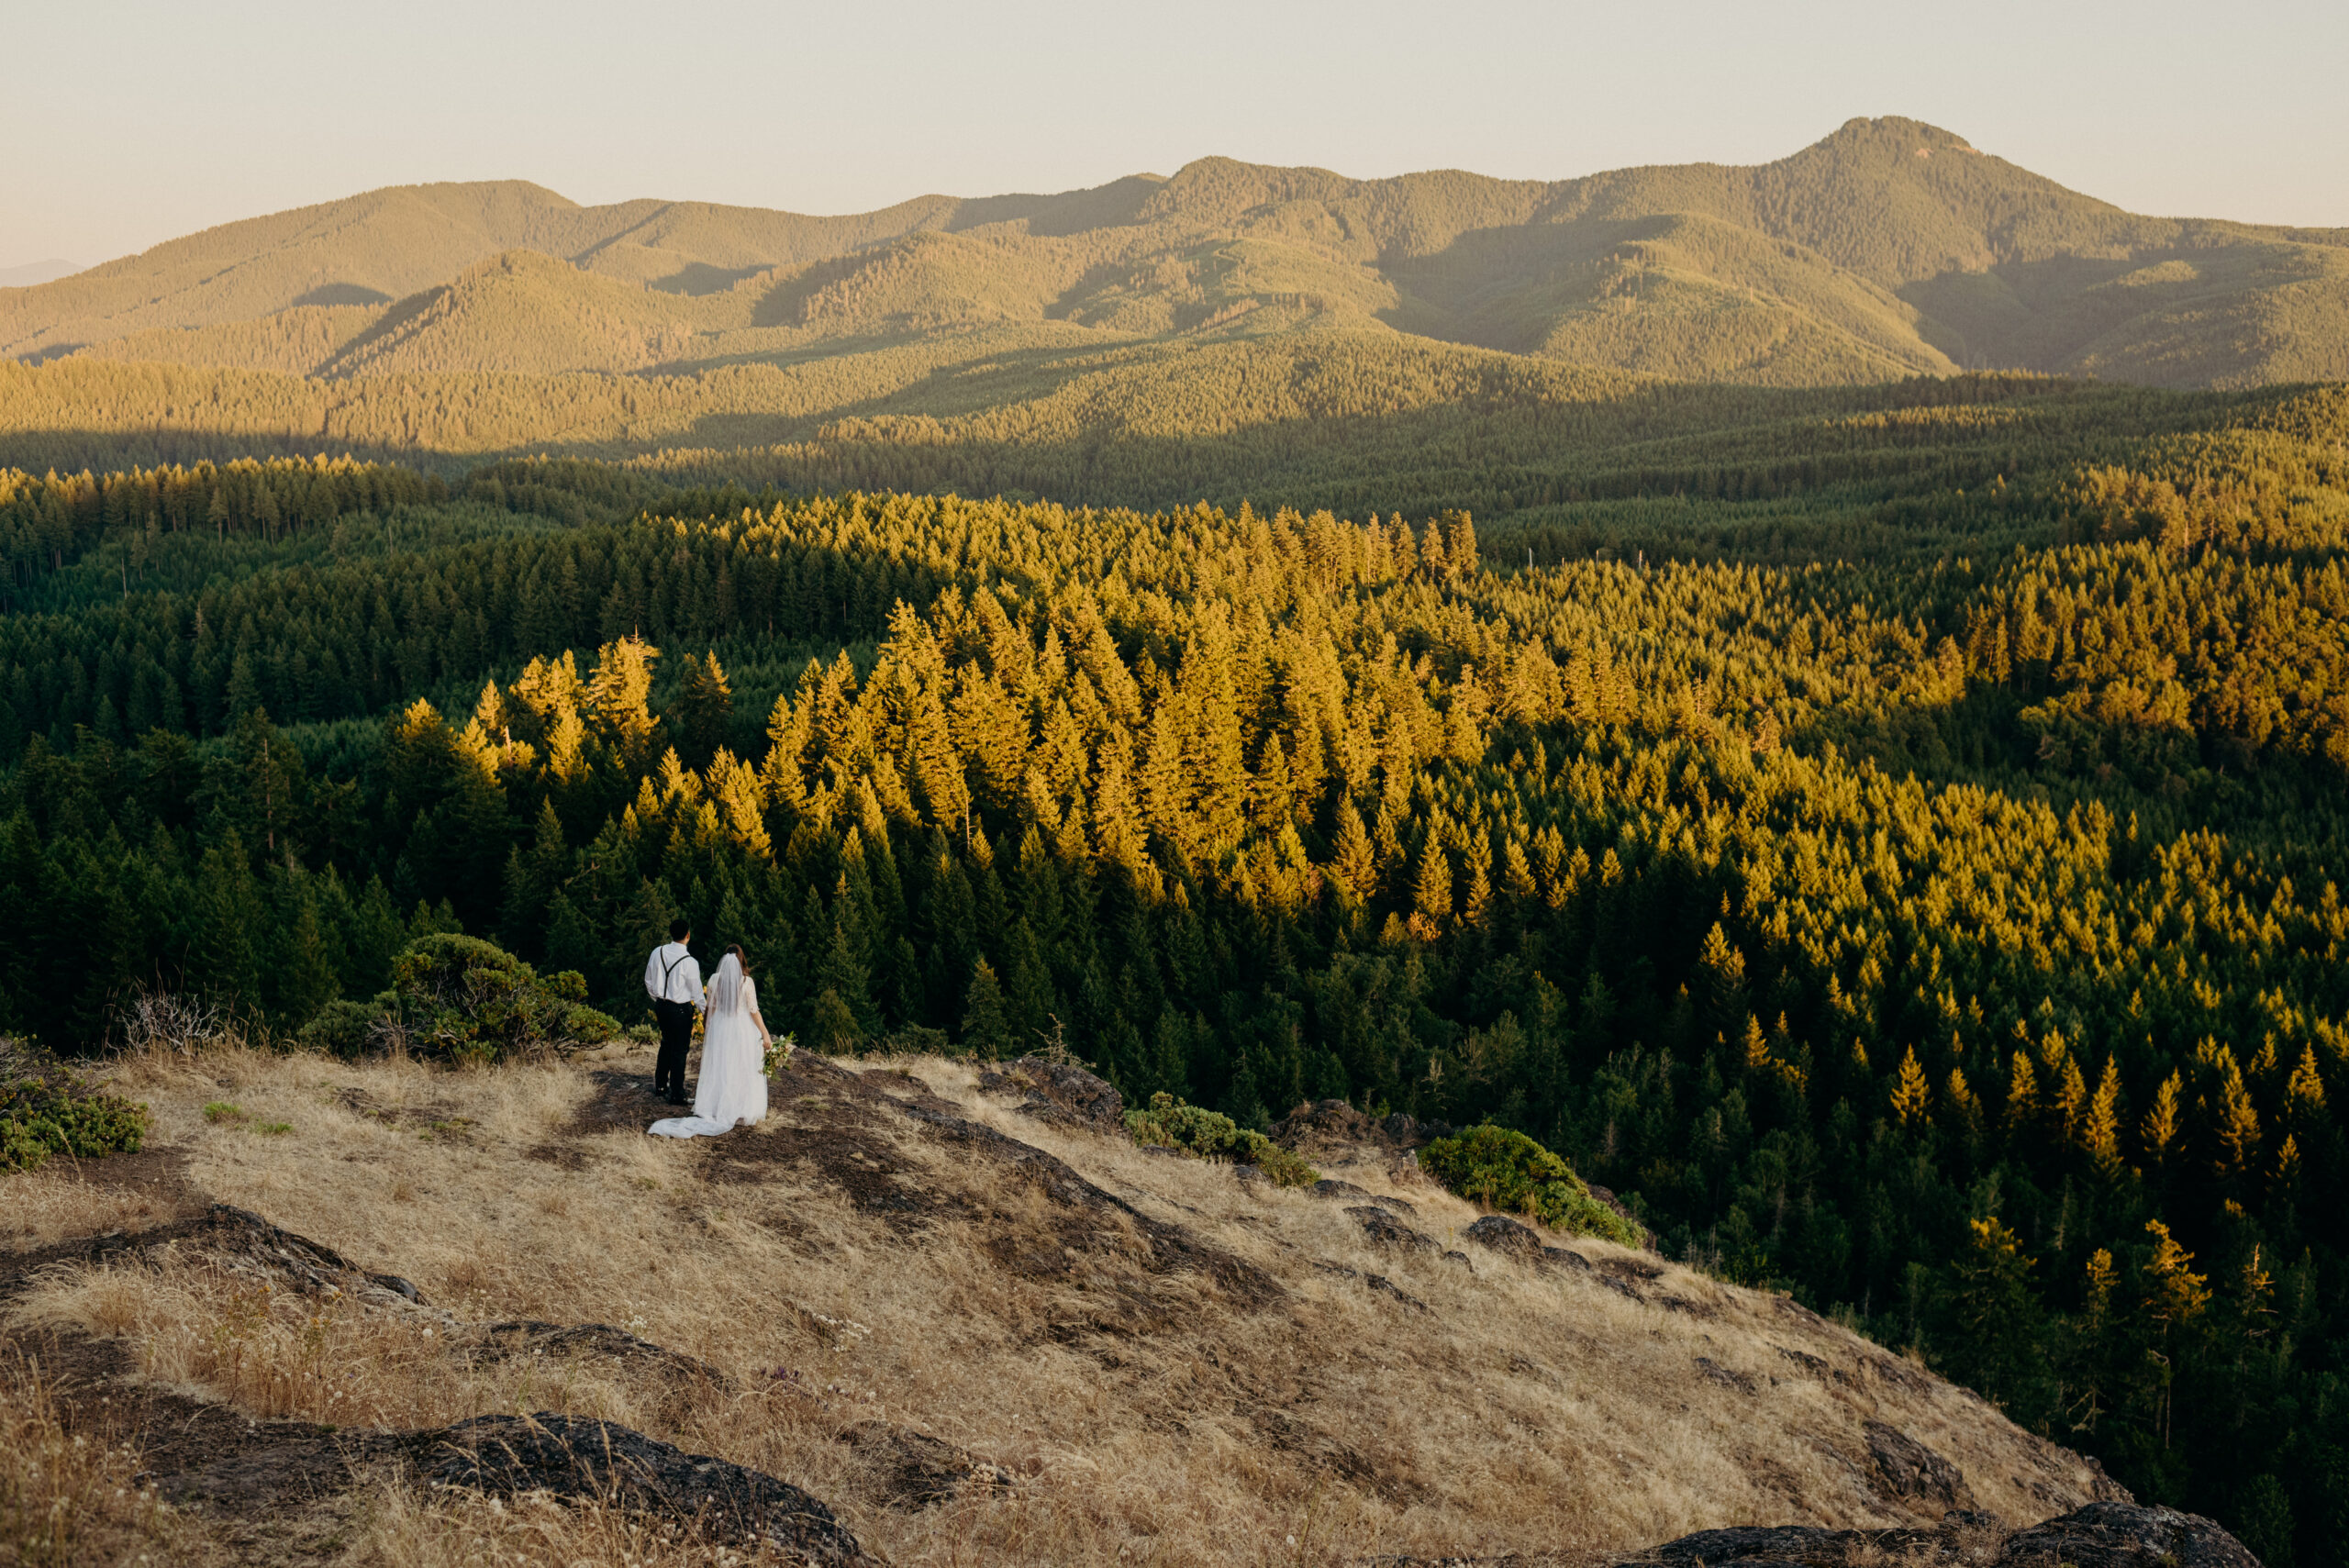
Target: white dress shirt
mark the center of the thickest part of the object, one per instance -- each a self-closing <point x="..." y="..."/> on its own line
<point x="672" y="974"/>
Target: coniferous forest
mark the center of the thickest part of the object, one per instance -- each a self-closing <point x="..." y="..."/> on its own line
<point x="1894" y="838"/>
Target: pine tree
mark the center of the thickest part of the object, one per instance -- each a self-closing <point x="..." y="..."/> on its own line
<point x="1911" y="1093"/>
<point x="704" y="710"/>
<point x="986" y="1023"/>
<point x="1431" y="894"/>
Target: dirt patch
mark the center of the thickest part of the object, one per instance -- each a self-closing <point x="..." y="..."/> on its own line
<point x="1090" y="1222"/>
<point x="843" y="1130"/>
<point x="159" y="1176"/>
<point x="623" y="1101"/>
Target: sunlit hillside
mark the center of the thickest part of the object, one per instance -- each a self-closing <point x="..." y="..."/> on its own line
<point x="1889" y="248"/>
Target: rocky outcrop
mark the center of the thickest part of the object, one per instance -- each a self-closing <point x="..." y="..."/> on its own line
<point x="2101" y="1535"/>
<point x="1055" y="1091"/>
<point x="582" y="1459"/>
<point x="1514" y="1238"/>
<point x="1911" y="1471"/>
<point x="1326" y="1126"/>
<point x="236" y="1241"/>
<point x="1384" y="1229"/>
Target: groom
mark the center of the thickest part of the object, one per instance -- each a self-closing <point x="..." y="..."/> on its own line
<point x="673" y="979"/>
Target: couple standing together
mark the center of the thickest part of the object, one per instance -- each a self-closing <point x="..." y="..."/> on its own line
<point x="732" y="1089"/>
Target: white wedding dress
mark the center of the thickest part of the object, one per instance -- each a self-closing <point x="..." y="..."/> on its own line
<point x="732" y="1089"/>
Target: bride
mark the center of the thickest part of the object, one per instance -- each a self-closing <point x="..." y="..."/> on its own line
<point x="732" y="1089"/>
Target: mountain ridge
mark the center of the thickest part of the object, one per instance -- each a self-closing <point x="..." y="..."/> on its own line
<point x="1888" y="248"/>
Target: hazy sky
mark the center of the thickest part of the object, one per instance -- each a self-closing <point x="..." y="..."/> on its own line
<point x="125" y="122"/>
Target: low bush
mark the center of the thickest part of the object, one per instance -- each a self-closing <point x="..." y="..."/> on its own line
<point x="46" y="1108"/>
<point x="1210" y="1135"/>
<point x="342" y="1029"/>
<point x="465" y="1000"/>
<point x="1509" y="1171"/>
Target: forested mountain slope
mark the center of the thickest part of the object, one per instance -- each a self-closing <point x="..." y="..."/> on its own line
<point x="1893" y="837"/>
<point x="1889" y="248"/>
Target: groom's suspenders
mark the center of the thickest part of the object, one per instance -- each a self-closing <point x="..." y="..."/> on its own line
<point x="668" y="970"/>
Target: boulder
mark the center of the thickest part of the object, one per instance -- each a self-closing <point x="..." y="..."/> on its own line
<point x="1326" y="1187"/>
<point x="2101" y="1535"/>
<point x="2129" y="1535"/>
<point x="1506" y="1236"/>
<point x="1056" y="1091"/>
<point x="1387" y="1231"/>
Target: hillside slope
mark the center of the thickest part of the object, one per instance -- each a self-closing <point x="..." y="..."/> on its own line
<point x="1098" y="1352"/>
<point x="1889" y="248"/>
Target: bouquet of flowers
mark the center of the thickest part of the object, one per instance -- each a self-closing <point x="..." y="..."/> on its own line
<point x="779" y="1049"/>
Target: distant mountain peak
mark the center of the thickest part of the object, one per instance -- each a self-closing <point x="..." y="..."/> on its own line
<point x="29" y="273"/>
<point x="1890" y="247"/>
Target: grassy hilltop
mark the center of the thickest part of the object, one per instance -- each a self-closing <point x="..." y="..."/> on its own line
<point x="973" y="1334"/>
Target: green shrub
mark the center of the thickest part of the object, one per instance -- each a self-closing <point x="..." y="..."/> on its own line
<point x="45" y="1107"/>
<point x="466" y="1000"/>
<point x="1509" y="1171"/>
<point x="340" y="1029"/>
<point x="1210" y="1135"/>
<point x="218" y="1111"/>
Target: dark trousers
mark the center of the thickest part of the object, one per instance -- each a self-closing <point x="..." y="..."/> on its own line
<point x="676" y="1036"/>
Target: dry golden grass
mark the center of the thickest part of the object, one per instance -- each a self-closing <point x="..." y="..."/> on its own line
<point x="64" y="1499"/>
<point x="59" y="1201"/>
<point x="1155" y="1419"/>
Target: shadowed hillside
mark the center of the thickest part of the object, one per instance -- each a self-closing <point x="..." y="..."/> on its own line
<point x="1889" y="248"/>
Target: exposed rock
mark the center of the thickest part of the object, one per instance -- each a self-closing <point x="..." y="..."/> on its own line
<point x="1386" y="1230"/>
<point x="1462" y="1259"/>
<point x="239" y="1242"/>
<point x="1330" y="1126"/>
<point x="1728" y="1377"/>
<point x="1408" y="1133"/>
<point x="2101" y="1535"/>
<point x="1506" y="1236"/>
<point x="1381" y="1283"/>
<point x="1910" y="1470"/>
<point x="501" y="1341"/>
<point x="1057" y="1092"/>
<point x="581" y="1459"/>
<point x="2127" y="1535"/>
<point x="917" y="1470"/>
<point x="1324" y="1125"/>
<point x="1515" y="1239"/>
<point x="1090" y="1221"/>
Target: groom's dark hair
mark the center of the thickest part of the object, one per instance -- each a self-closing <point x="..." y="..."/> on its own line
<point x="680" y="929"/>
